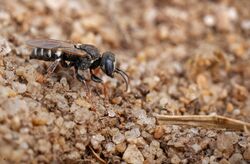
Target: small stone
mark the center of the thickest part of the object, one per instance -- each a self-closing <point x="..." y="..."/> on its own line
<point x="224" y="161"/>
<point x="7" y="92"/>
<point x="225" y="143"/>
<point x="246" y="153"/>
<point x="133" y="155"/>
<point x="159" y="132"/>
<point x="59" y="121"/>
<point x="230" y="107"/>
<point x="175" y="159"/>
<point x="69" y="124"/>
<point x="116" y="100"/>
<point x="96" y="141"/>
<point x="74" y="155"/>
<point x="15" y="122"/>
<point x="205" y="160"/>
<point x="118" y="138"/>
<point x="44" y="146"/>
<point x="82" y="115"/>
<point x="19" y="87"/>
<point x="121" y="147"/>
<point x="235" y="158"/>
<point x="13" y="106"/>
<point x="110" y="147"/>
<point x="236" y="112"/>
<point x="4" y="47"/>
<point x="111" y="113"/>
<point x="245" y="24"/>
<point x="223" y="21"/>
<point x="132" y="134"/>
<point x="196" y="148"/>
<point x="55" y="5"/>
<point x="83" y="103"/>
<point x="42" y="118"/>
<point x="80" y="146"/>
<point x="209" y="20"/>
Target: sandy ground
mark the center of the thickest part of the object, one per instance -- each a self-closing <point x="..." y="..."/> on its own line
<point x="182" y="57"/>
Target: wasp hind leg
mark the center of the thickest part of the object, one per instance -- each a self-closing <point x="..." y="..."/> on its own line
<point x="52" y="67"/>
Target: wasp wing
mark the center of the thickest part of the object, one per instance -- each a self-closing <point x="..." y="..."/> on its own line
<point x="73" y="51"/>
<point x="49" y="43"/>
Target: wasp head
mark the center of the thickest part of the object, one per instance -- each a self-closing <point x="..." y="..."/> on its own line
<point x="108" y="66"/>
<point x="108" y="63"/>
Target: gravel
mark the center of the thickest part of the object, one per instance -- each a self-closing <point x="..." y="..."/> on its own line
<point x="182" y="58"/>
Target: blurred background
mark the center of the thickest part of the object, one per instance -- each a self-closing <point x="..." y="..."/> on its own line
<point x="182" y="57"/>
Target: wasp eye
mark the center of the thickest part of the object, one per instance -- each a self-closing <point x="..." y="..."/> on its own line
<point x="108" y="63"/>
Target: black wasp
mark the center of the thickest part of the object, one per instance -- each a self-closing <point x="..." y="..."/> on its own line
<point x="79" y="56"/>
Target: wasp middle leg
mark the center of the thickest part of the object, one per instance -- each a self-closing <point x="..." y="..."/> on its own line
<point x="81" y="78"/>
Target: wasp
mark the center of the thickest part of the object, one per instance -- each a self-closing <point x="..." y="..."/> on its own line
<point x="80" y="56"/>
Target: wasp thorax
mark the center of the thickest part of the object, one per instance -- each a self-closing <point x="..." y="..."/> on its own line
<point x="108" y="63"/>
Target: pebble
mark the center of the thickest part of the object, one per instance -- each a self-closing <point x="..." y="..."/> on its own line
<point x="246" y="153"/>
<point x="118" y="138"/>
<point x="209" y="20"/>
<point x="44" y="146"/>
<point x="82" y="115"/>
<point x="132" y="134"/>
<point x="111" y="113"/>
<point x="175" y="159"/>
<point x="74" y="155"/>
<point x="159" y="132"/>
<point x="7" y="92"/>
<point x="4" y="47"/>
<point x="80" y="146"/>
<point x="245" y="24"/>
<point x="110" y="147"/>
<point x="196" y="148"/>
<point x="96" y="141"/>
<point x="121" y="147"/>
<point x="225" y="143"/>
<point x="133" y="155"/>
<point x="116" y="100"/>
<point x="15" y="106"/>
<point x="19" y="87"/>
<point x="236" y="158"/>
<point x="83" y="103"/>
<point x="223" y="19"/>
<point x="41" y="119"/>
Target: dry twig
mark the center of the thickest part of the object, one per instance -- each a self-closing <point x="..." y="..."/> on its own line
<point x="97" y="156"/>
<point x="215" y="121"/>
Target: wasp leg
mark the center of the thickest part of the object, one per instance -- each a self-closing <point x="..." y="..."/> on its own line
<point x="81" y="78"/>
<point x="94" y="77"/>
<point x="53" y="66"/>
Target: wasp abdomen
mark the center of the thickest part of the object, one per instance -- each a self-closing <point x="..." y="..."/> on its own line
<point x="45" y="54"/>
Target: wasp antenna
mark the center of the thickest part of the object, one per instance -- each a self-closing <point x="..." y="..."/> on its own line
<point x="123" y="75"/>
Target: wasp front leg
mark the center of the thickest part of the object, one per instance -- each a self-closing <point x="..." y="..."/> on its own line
<point x="94" y="77"/>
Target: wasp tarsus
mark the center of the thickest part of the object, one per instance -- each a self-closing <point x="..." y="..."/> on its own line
<point x="79" y="56"/>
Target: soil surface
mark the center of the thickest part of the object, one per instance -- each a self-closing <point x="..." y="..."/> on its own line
<point x="182" y="58"/>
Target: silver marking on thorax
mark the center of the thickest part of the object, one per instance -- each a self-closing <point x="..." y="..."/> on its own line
<point x="58" y="53"/>
<point x="78" y="45"/>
